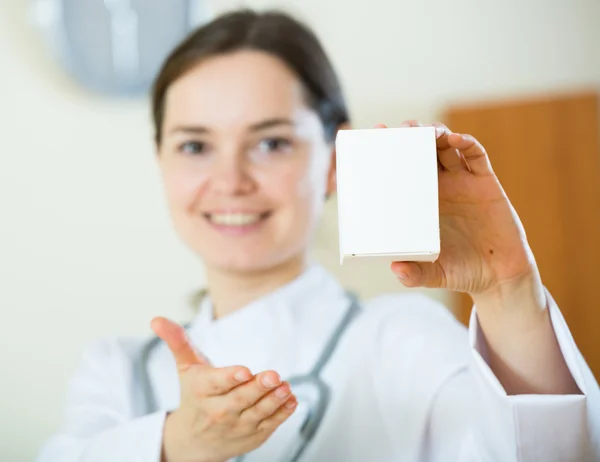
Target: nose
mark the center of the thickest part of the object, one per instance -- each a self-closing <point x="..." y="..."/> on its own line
<point x="231" y="176"/>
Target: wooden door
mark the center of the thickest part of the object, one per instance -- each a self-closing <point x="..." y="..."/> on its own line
<point x="546" y="154"/>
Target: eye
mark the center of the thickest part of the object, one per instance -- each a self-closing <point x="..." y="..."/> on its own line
<point x="274" y="145"/>
<point x="193" y="147"/>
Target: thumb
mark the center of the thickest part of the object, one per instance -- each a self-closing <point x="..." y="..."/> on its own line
<point x="176" y="339"/>
<point x="419" y="274"/>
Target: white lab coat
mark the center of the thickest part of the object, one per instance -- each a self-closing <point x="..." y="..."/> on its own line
<point x="409" y="384"/>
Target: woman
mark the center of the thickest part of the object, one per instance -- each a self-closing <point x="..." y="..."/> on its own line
<point x="246" y="111"/>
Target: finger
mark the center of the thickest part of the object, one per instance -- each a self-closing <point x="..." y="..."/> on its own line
<point x="380" y="126"/>
<point x="219" y="381"/>
<point x="419" y="274"/>
<point x="473" y="152"/>
<point x="267" y="405"/>
<point x="449" y="157"/>
<point x="410" y="123"/>
<point x="441" y="135"/>
<point x="272" y="422"/>
<point x="176" y="339"/>
<point x="247" y="395"/>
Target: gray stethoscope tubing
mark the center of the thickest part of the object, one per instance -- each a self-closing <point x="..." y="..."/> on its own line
<point x="145" y="401"/>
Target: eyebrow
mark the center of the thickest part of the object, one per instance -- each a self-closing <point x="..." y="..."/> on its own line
<point x="269" y="123"/>
<point x="262" y="125"/>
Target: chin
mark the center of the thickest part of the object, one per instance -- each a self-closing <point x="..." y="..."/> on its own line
<point x="241" y="262"/>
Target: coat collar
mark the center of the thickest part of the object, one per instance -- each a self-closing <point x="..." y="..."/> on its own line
<point x="284" y="330"/>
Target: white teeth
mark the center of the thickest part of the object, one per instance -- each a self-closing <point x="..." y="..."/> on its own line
<point x="235" y="219"/>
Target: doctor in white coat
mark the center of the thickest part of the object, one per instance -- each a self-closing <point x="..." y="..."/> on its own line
<point x="246" y="111"/>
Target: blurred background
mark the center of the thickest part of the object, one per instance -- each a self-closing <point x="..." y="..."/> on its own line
<point x="86" y="246"/>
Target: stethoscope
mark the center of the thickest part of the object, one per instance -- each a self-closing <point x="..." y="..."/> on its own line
<point x="309" y="388"/>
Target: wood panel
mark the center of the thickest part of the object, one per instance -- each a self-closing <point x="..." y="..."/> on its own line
<point x="546" y="153"/>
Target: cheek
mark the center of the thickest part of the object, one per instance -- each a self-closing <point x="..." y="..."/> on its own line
<point x="312" y="184"/>
<point x="183" y="186"/>
<point x="300" y="187"/>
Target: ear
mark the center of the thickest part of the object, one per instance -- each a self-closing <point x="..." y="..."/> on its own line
<point x="332" y="175"/>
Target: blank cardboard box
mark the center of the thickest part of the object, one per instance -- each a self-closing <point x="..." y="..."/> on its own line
<point x="387" y="187"/>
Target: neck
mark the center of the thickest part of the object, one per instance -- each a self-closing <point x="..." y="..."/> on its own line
<point x="230" y="290"/>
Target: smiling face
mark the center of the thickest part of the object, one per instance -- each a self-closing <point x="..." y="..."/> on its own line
<point x="245" y="162"/>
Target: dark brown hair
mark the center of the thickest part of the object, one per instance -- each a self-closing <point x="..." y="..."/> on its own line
<point x="272" y="32"/>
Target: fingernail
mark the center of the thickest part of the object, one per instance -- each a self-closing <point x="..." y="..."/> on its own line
<point x="282" y="392"/>
<point x="241" y="376"/>
<point x="291" y="404"/>
<point x="402" y="276"/>
<point x="269" y="382"/>
<point x="439" y="131"/>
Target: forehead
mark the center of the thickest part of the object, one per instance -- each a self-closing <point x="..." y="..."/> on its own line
<point x="235" y="89"/>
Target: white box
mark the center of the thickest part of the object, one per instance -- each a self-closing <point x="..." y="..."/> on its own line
<point x="387" y="188"/>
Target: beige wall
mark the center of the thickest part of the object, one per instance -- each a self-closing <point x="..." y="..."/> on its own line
<point x="86" y="248"/>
